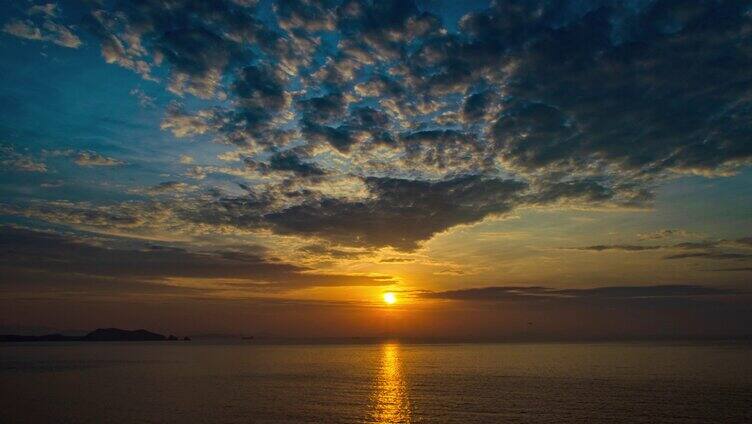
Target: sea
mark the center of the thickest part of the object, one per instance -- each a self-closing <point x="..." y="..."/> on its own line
<point x="385" y="382"/>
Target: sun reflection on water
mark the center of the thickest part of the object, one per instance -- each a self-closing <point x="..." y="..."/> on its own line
<point x="390" y="402"/>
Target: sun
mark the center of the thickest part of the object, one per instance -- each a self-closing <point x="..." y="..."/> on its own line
<point x="390" y="298"/>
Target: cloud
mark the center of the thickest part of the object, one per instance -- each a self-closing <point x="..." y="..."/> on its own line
<point x="49" y="9"/>
<point x="720" y="249"/>
<point x="125" y="49"/>
<point x="740" y="269"/>
<point x="319" y="250"/>
<point x="198" y="50"/>
<point x="577" y="114"/>
<point x="43" y="30"/>
<point x="744" y="241"/>
<point x="183" y="124"/>
<point x="144" y="100"/>
<point x="387" y="26"/>
<point x="396" y="260"/>
<point x="52" y="184"/>
<point x="170" y="187"/>
<point x="323" y="109"/>
<point x="442" y="148"/>
<point x="95" y="159"/>
<point x="123" y="216"/>
<point x="477" y="105"/>
<point x="290" y="162"/>
<point x="401" y="212"/>
<point x="303" y="14"/>
<point x="548" y="104"/>
<point x="552" y="116"/>
<point x="198" y="57"/>
<point x="393" y="212"/>
<point x="522" y="293"/>
<point x="339" y="138"/>
<point x="11" y="159"/>
<point x="709" y="255"/>
<point x="306" y="202"/>
<point x="23" y="29"/>
<point x="261" y="95"/>
<point x="38" y="257"/>
<point x="663" y="234"/>
<point x="624" y="247"/>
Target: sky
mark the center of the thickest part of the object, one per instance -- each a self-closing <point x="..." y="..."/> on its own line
<point x="508" y="169"/>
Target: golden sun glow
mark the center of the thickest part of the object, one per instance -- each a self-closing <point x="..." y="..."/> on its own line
<point x="390" y="298"/>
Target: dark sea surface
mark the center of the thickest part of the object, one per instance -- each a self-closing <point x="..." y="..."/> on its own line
<point x="187" y="382"/>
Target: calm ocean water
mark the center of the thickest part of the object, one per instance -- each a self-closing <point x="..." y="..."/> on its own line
<point x="376" y="383"/>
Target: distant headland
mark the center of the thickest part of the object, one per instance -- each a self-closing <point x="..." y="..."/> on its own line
<point x="98" y="335"/>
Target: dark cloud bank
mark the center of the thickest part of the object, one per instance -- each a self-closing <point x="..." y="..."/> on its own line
<point x="511" y="293"/>
<point x="719" y="250"/>
<point x="69" y="263"/>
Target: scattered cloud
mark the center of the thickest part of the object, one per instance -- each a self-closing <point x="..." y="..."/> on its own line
<point x="95" y="159"/>
<point x="664" y="234"/>
<point x="144" y="99"/>
<point x="517" y="105"/>
<point x="52" y="184"/>
<point x="40" y="25"/>
<point x="11" y="159"/>
<point x="371" y="124"/>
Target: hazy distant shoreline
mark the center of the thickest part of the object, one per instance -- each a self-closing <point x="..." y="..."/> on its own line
<point x="98" y="335"/>
<point x="140" y="336"/>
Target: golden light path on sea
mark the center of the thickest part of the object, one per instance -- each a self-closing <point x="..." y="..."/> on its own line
<point x="390" y="402"/>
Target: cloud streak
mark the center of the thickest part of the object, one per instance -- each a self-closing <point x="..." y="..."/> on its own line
<point x="95" y="159"/>
<point x="71" y="262"/>
<point x="536" y="293"/>
<point x="706" y="249"/>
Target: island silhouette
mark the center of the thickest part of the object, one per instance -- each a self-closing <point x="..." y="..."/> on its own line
<point x="98" y="335"/>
